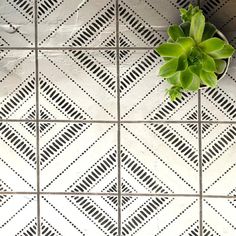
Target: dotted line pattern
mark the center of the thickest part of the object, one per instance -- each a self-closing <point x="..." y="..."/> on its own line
<point x="83" y="90"/>
<point x="150" y="173"/>
<point x="76" y="159"/>
<point x="165" y="164"/>
<point x="175" y="149"/>
<point x="62" y="215"/>
<point x="94" y="204"/>
<point x="18" y="175"/>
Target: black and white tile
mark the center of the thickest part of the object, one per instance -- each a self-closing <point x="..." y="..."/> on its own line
<point x="89" y="142"/>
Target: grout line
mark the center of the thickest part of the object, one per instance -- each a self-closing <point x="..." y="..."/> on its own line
<point x="200" y="162"/>
<point x="37" y="115"/>
<point x="119" y="187"/>
<point x="121" y="121"/>
<point x="122" y="194"/>
<point x="76" y="48"/>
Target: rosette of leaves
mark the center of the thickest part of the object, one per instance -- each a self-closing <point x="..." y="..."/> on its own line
<point x="193" y="54"/>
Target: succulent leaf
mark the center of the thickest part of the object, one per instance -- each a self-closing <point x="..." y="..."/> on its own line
<point x="174" y="79"/>
<point x="212" y="45"/>
<point x="209" y="31"/>
<point x="195" y="85"/>
<point x="170" y="50"/>
<point x="182" y="63"/>
<point x="169" y="68"/>
<point x="175" y="32"/>
<point x="186" y="78"/>
<point x="186" y="43"/>
<point x="197" y="27"/>
<point x="208" y="78"/>
<point x="220" y="66"/>
<point x="174" y="93"/>
<point x="186" y="28"/>
<point x="226" y="52"/>
<point x="208" y="63"/>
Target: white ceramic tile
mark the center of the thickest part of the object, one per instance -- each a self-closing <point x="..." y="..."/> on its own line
<point x="143" y="22"/>
<point x="219" y="217"/>
<point x="79" y="215"/>
<point x="143" y="92"/>
<point x="17" y="157"/>
<point x="18" y="215"/>
<point x="76" y="23"/>
<point x="159" y="158"/>
<point x="78" y="84"/>
<point x="219" y="163"/>
<point x="17" y="23"/>
<point x="78" y="157"/>
<point x="17" y="84"/>
<point x="160" y="216"/>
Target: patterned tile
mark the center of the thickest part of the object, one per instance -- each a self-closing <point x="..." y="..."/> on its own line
<point x="159" y="158"/>
<point x="79" y="157"/>
<point x="67" y="23"/>
<point x="219" y="164"/>
<point x="16" y="23"/>
<point x="17" y="158"/>
<point x="142" y="92"/>
<point x="78" y="215"/>
<point x="222" y="100"/>
<point x="161" y="216"/>
<point x="78" y="84"/>
<point x="219" y="217"/>
<point x="221" y="13"/>
<point x="143" y="22"/>
<point x="17" y="84"/>
<point x="18" y="215"/>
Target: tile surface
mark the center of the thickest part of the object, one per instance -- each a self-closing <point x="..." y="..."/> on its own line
<point x="79" y="215"/>
<point x="78" y="85"/>
<point x="159" y="216"/>
<point x="219" y="217"/>
<point x="90" y="145"/>
<point x="17" y="157"/>
<point x="158" y="158"/>
<point x="67" y="23"/>
<point x="78" y="157"/>
<point x="19" y="211"/>
<point x="17" y="81"/>
<point x="219" y="162"/>
<point x="17" y="23"/>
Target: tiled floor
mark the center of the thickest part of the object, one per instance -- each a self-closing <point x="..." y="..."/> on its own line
<point x="89" y="144"/>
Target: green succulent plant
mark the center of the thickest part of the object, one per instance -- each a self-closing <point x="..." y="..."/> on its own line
<point x="194" y="54"/>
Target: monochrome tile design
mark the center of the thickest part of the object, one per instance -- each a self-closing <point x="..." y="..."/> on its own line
<point x="89" y="142"/>
<point x="17" y="23"/>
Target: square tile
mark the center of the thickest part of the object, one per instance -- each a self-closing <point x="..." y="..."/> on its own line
<point x="219" y="216"/>
<point x="17" y="23"/>
<point x="143" y="22"/>
<point x="17" y="84"/>
<point x="218" y="159"/>
<point x="220" y="13"/>
<point x="18" y="215"/>
<point x="17" y="157"/>
<point x="160" y="216"/>
<point x="143" y="92"/>
<point x="79" y="215"/>
<point x="159" y="158"/>
<point x="78" y="157"/>
<point x="221" y="100"/>
<point x="67" y="23"/>
<point x="78" y="84"/>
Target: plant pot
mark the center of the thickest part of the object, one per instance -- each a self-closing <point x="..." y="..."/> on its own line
<point x="220" y="76"/>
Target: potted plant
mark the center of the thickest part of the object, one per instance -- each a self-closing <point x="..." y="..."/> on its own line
<point x="196" y="54"/>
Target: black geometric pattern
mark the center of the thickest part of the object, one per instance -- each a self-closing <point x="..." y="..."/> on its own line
<point x="76" y="159"/>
